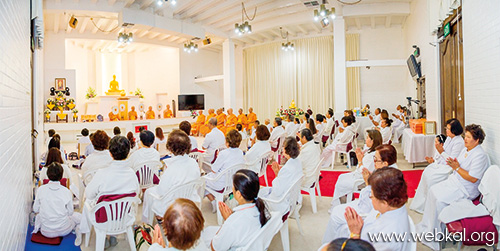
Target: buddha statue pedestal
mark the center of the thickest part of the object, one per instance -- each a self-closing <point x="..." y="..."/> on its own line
<point x="123" y="108"/>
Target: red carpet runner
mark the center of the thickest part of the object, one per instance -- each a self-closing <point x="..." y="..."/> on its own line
<point x="327" y="183"/>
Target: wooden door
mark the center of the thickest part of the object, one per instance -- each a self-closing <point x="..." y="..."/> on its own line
<point x="452" y="73"/>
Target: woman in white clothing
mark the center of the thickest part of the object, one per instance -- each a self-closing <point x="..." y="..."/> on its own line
<point x="181" y="169"/>
<point x="242" y="223"/>
<point x="342" y="139"/>
<point x="54" y="207"/>
<point x="100" y="158"/>
<point x="399" y="123"/>
<point x="386" y="130"/>
<point x="347" y="181"/>
<point x="54" y="156"/>
<point x="389" y="215"/>
<point x="468" y="169"/>
<point x="320" y="127"/>
<point x="160" y="141"/>
<point x="186" y="127"/>
<point x="286" y="176"/>
<point x="385" y="155"/>
<point x="260" y="147"/>
<point x="227" y="158"/>
<point x="439" y="170"/>
<point x="183" y="223"/>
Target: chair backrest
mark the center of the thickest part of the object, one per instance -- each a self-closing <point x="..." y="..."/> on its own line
<point x="186" y="191"/>
<point x="412" y="244"/>
<point x="196" y="156"/>
<point x="332" y="132"/>
<point x="262" y="239"/>
<point x="145" y="172"/>
<point x="292" y="194"/>
<point x="264" y="160"/>
<point x="81" y="189"/>
<point x="227" y="176"/>
<point x="244" y="145"/>
<point x="87" y="176"/>
<point x="162" y="149"/>
<point x="487" y="187"/>
<point x="317" y="169"/>
<point x="120" y="214"/>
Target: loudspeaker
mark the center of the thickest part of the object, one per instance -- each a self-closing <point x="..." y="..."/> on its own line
<point x="73" y="22"/>
<point x="207" y="41"/>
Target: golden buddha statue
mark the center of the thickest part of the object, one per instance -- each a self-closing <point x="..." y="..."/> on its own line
<point x="292" y="105"/>
<point x="114" y="88"/>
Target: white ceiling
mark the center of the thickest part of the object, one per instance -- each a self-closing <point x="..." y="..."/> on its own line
<point x="100" y="17"/>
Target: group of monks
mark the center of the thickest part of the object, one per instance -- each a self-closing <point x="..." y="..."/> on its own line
<point x="224" y="122"/>
<point x="150" y="114"/>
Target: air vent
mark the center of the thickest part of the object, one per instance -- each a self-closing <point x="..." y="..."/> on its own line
<point x="313" y="4"/>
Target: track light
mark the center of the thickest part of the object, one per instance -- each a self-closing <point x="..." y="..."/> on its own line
<point x="190" y="47"/>
<point x="160" y="2"/>
<point x="244" y="27"/>
<point x="124" y="38"/>
<point x="322" y="14"/>
<point x="288" y="46"/>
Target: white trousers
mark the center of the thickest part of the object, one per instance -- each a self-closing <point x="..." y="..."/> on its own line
<point x="328" y="154"/>
<point x="440" y="196"/>
<point x="433" y="174"/>
<point x="73" y="222"/>
<point x="337" y="225"/>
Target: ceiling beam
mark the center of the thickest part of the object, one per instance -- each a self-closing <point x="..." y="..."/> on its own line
<point x="301" y="29"/>
<point x="142" y="33"/>
<point x="235" y="14"/>
<point x="388" y="21"/>
<point x="172" y="38"/>
<point x="99" y="24"/>
<point x="163" y="37"/>
<point x="154" y="35"/>
<point x="145" y="4"/>
<point x="372" y="21"/>
<point x="83" y="26"/>
<point x="316" y="27"/>
<point x="403" y="22"/>
<point x="276" y="32"/>
<point x="113" y="26"/>
<point x="111" y="2"/>
<point x="358" y="23"/>
<point x="128" y="3"/>
<point x="200" y="7"/>
<point x="183" y="5"/>
<point x="266" y="35"/>
<point x="221" y="8"/>
<point x="290" y="31"/>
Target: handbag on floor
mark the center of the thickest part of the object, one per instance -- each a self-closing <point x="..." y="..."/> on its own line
<point x="143" y="236"/>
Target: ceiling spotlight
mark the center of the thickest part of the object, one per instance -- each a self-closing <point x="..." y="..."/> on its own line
<point x="244" y="27"/>
<point x="190" y="47"/>
<point x="159" y="2"/>
<point x="322" y="14"/>
<point x="125" y="38"/>
<point x="288" y="46"/>
<point x="173" y="2"/>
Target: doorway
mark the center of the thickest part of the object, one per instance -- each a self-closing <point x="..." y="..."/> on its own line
<point x="452" y="73"/>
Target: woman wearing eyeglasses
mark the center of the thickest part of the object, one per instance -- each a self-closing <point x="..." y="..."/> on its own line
<point x="468" y="170"/>
<point x="438" y="170"/>
<point x="385" y="155"/>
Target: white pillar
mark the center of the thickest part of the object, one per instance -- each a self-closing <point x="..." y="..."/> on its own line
<point x="229" y="74"/>
<point x="339" y="68"/>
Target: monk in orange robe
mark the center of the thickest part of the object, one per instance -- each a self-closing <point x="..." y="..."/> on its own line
<point x="204" y="129"/>
<point x="197" y="125"/>
<point x="113" y="117"/>
<point x="221" y="120"/>
<point x="167" y="113"/>
<point x="232" y="120"/>
<point x="150" y="114"/>
<point x="132" y="115"/>
<point x="242" y="119"/>
<point x="251" y="118"/>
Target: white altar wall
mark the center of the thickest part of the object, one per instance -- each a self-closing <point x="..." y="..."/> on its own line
<point x="153" y="71"/>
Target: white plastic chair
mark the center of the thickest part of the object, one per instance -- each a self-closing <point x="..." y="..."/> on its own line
<point x="244" y="145"/>
<point x="355" y="189"/>
<point x="345" y="149"/>
<point x="120" y="218"/>
<point x="259" y="165"/>
<point x="186" y="191"/>
<point x="196" y="156"/>
<point x="215" y="155"/>
<point x="146" y="171"/>
<point x="315" y="187"/>
<point x="81" y="149"/>
<point x="279" y="149"/>
<point x="81" y="190"/>
<point x="87" y="176"/>
<point x="227" y="176"/>
<point x="293" y="194"/>
<point x="262" y="239"/>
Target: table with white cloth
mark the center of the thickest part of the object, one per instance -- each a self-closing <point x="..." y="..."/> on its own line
<point x="417" y="146"/>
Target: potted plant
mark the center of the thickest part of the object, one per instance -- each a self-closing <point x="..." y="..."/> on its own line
<point x="138" y="93"/>
<point x="75" y="115"/>
<point x="51" y="103"/>
<point x="47" y="115"/>
<point x="71" y="103"/>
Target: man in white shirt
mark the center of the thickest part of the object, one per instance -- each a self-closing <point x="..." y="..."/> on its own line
<point x="276" y="133"/>
<point x="84" y="141"/>
<point x="145" y="151"/>
<point x="320" y="127"/>
<point x="117" y="179"/>
<point x="213" y="140"/>
<point x="309" y="157"/>
<point x="253" y="134"/>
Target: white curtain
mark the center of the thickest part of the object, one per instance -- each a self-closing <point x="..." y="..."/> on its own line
<point x="352" y="73"/>
<point x="273" y="77"/>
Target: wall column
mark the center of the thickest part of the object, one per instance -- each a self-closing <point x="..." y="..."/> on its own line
<point x="228" y="58"/>
<point x="339" y="64"/>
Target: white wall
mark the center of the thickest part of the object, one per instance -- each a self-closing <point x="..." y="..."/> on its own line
<point x="481" y="26"/>
<point x="15" y="123"/>
<point x="202" y="64"/>
<point x="378" y="83"/>
<point x="416" y="32"/>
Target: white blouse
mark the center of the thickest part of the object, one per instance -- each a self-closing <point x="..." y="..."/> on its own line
<point x="96" y="160"/>
<point x="258" y="149"/>
<point x="287" y="175"/>
<point x="227" y="158"/>
<point x="475" y="162"/>
<point x="452" y="148"/>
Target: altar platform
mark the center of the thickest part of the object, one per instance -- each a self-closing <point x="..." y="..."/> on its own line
<point x="70" y="132"/>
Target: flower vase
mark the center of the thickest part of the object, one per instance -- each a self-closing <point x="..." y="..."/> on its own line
<point x="47" y="117"/>
<point x="71" y="106"/>
<point x="51" y="106"/>
<point x="61" y="115"/>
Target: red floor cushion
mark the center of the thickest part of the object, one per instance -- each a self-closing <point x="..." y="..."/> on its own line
<point x="39" y="238"/>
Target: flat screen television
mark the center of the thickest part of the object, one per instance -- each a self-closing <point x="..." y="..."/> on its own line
<point x="191" y="102"/>
<point x="414" y="67"/>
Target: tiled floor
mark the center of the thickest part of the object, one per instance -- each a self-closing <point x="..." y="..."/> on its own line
<point x="313" y="225"/>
